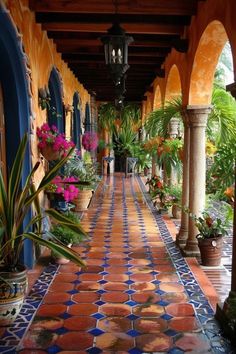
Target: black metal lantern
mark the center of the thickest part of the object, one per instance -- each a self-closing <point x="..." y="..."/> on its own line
<point x="116" y="51"/>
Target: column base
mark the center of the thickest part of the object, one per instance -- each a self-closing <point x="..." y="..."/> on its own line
<point x="181" y="238"/>
<point x="226" y="316"/>
<point x="191" y="250"/>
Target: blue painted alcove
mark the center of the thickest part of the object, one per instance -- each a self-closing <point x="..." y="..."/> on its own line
<point x="76" y="132"/>
<point x="16" y="102"/>
<point x="87" y="121"/>
<point x="56" y="113"/>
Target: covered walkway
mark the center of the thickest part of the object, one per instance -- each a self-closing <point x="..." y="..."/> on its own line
<point x="137" y="294"/>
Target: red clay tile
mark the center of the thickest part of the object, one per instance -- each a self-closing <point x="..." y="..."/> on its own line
<point x="142" y="277"/>
<point x="65" y="278"/>
<point x="116" y="270"/>
<point x="95" y="255"/>
<point x="75" y="341"/>
<point x="164" y="268"/>
<point x="90" y="277"/>
<point x="141" y="269"/>
<point x="51" y="323"/>
<point x="57" y="287"/>
<point x="115" y="342"/>
<point x="115" y="296"/>
<point x="69" y="268"/>
<point x="115" y="309"/>
<point x="116" y="277"/>
<point x="56" y="297"/>
<point x="30" y="351"/>
<point x="76" y="323"/>
<point x="172" y="287"/>
<point x="139" y="261"/>
<point x="174" y="297"/>
<point x="144" y="286"/>
<point x="92" y="269"/>
<point x="117" y="286"/>
<point x="115" y="261"/>
<point x="145" y="297"/>
<point x="184" y="324"/>
<point x="72" y="352"/>
<point x="82" y="309"/>
<point x="150" y="325"/>
<point x="51" y="310"/>
<point x="88" y="286"/>
<point x="96" y="262"/>
<point x="85" y="297"/>
<point x="180" y="310"/>
<point x="167" y="277"/>
<point x="35" y="339"/>
<point x="115" y="324"/>
<point x="192" y="342"/>
<point x="150" y="310"/>
<point x="154" y="343"/>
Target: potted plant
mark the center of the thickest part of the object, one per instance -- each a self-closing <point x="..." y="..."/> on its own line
<point x="52" y="144"/>
<point x="174" y="194"/>
<point x="66" y="236"/>
<point x="84" y="170"/>
<point x="16" y="202"/>
<point x="157" y="191"/>
<point x="210" y="238"/>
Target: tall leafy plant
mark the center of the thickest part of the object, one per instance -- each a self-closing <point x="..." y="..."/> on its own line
<point x="16" y="202"/>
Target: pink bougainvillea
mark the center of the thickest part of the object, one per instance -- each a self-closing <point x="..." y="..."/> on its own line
<point x="90" y="141"/>
<point x="50" y="136"/>
<point x="65" y="187"/>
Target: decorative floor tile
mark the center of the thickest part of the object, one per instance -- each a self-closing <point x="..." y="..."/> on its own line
<point x="137" y="294"/>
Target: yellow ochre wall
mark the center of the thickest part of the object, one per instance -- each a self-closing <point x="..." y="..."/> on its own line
<point x="212" y="26"/>
<point x="42" y="56"/>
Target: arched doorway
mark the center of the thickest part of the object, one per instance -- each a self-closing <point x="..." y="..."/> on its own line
<point x="87" y="121"/>
<point x="15" y="103"/>
<point x="56" y="112"/>
<point x="76" y="121"/>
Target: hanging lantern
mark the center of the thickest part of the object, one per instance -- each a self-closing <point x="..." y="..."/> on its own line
<point x="116" y="51"/>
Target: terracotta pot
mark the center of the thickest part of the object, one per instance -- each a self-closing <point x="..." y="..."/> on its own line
<point x="13" y="287"/>
<point x="83" y="200"/>
<point x="176" y="211"/>
<point x="211" y="250"/>
<point x="49" y="154"/>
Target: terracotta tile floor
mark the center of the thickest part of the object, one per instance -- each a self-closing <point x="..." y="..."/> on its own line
<point x="137" y="294"/>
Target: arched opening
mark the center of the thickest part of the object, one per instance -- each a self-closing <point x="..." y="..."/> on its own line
<point x="56" y="111"/>
<point x="76" y="121"/>
<point x="87" y="121"/>
<point x="15" y="109"/>
<point x="157" y="98"/>
<point x="173" y="84"/>
<point x="206" y="58"/>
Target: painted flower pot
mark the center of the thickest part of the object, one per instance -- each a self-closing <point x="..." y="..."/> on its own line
<point x="211" y="250"/>
<point x="83" y="200"/>
<point x="176" y="211"/>
<point x="49" y="154"/>
<point x="13" y="287"/>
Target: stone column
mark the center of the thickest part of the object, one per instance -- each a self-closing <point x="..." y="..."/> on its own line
<point x="226" y="313"/>
<point x="181" y="237"/>
<point x="173" y="130"/>
<point x="197" y="172"/>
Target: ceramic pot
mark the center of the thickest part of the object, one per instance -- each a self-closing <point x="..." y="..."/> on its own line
<point x="211" y="250"/>
<point x="82" y="202"/>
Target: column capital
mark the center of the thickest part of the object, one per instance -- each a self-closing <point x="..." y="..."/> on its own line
<point x="198" y="114"/>
<point x="232" y="89"/>
<point x="185" y="117"/>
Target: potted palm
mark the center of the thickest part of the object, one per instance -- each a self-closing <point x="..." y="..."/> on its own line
<point x="210" y="238"/>
<point x="16" y="202"/>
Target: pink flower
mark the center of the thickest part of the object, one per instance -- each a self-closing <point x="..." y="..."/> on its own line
<point x="90" y="141"/>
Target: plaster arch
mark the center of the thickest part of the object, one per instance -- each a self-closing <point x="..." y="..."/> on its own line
<point x="207" y="55"/>
<point x="56" y="112"/>
<point x="157" y="101"/>
<point x="173" y="84"/>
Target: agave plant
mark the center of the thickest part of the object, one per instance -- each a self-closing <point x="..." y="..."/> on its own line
<point x="16" y="202"/>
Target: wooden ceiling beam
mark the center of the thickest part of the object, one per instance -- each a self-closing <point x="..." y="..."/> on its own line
<point x="131" y="28"/>
<point x="160" y="7"/>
